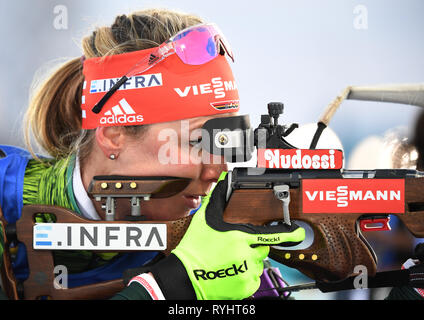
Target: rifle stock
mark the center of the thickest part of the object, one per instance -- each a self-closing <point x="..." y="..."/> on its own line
<point x="336" y="250"/>
<point x="338" y="245"/>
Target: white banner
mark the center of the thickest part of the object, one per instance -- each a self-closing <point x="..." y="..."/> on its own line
<point x="99" y="236"/>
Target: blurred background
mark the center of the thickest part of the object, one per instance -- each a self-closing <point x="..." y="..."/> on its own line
<point x="302" y="53"/>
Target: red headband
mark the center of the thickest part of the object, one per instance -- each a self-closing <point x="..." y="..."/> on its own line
<point x="169" y="91"/>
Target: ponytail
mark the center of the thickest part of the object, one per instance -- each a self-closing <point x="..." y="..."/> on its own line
<point x="54" y="113"/>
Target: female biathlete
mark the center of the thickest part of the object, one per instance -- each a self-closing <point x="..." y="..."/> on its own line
<point x="167" y="67"/>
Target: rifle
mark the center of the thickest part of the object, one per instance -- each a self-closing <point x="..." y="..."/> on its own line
<point x="338" y="244"/>
<point x="262" y="196"/>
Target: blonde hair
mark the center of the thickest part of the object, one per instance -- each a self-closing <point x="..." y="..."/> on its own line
<point x="54" y="113"/>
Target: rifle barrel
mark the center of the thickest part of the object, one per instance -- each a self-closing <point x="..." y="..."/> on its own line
<point x="411" y="94"/>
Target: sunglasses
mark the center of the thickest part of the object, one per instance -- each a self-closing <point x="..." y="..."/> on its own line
<point x="195" y="45"/>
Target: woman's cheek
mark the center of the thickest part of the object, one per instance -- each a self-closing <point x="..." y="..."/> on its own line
<point x="165" y="209"/>
<point x="182" y="161"/>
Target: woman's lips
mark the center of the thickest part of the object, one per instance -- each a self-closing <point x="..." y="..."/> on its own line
<point x="192" y="201"/>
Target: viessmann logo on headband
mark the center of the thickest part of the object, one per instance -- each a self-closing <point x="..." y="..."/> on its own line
<point x="216" y="87"/>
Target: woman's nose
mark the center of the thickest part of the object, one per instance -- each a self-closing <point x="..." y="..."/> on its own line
<point x="211" y="172"/>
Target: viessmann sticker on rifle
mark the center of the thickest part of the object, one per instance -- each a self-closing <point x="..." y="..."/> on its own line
<point x="384" y="196"/>
<point x="300" y="159"/>
<point x="99" y="236"/>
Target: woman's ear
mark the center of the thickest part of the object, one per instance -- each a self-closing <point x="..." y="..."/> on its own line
<point x="110" y="140"/>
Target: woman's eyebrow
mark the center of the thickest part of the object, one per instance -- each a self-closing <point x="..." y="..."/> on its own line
<point x="197" y="124"/>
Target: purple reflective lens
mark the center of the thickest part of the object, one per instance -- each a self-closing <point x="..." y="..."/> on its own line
<point x="196" y="46"/>
<point x="211" y="48"/>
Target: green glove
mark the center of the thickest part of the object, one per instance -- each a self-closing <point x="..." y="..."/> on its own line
<point x="221" y="261"/>
<point x="218" y="260"/>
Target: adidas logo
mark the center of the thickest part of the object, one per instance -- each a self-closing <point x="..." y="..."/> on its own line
<point x="122" y="113"/>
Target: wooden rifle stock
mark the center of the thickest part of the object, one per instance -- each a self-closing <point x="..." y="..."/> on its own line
<point x="338" y="245"/>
